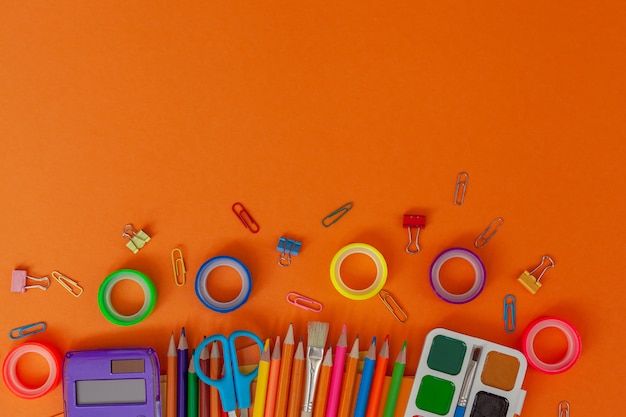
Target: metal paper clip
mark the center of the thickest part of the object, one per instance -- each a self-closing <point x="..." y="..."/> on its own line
<point x="418" y="222"/>
<point x="69" y="284"/>
<point x="563" y="409"/>
<point x="461" y="186"/>
<point x="178" y="265"/>
<point x="489" y="232"/>
<point x="245" y="217"/>
<point x="18" y="281"/>
<point x="336" y="215"/>
<point x="509" y="313"/>
<point x="136" y="240"/>
<point x="528" y="280"/>
<point x="28" y="330"/>
<point x="393" y="306"/>
<point x="303" y="302"/>
<point x="287" y="247"/>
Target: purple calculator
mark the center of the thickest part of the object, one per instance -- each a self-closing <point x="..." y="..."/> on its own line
<point x="112" y="382"/>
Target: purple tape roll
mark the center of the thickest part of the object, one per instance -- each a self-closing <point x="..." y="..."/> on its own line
<point x="479" y="275"/>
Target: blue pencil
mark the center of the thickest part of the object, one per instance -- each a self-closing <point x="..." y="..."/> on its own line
<point x="363" y="395"/>
<point x="183" y="365"/>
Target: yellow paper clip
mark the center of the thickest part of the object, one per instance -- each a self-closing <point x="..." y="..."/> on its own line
<point x="178" y="265"/>
<point x="303" y="302"/>
<point x="488" y="233"/>
<point x="393" y="306"/>
<point x="136" y="240"/>
<point x="69" y="284"/>
<point x="335" y="215"/>
<point x="563" y="409"/>
<point x="461" y="186"/>
<point x="528" y="280"/>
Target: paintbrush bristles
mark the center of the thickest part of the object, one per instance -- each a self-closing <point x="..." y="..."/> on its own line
<point x="318" y="332"/>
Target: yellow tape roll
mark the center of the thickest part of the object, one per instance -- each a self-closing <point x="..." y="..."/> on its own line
<point x="381" y="271"/>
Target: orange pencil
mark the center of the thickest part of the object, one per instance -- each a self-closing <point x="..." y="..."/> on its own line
<point x="297" y="382"/>
<point x="171" y="378"/>
<point x="272" y="384"/>
<point x="377" y="381"/>
<point x="347" y="385"/>
<point x="215" y="371"/>
<point x="282" y="393"/>
<point x="204" y="388"/>
<point x="321" y="398"/>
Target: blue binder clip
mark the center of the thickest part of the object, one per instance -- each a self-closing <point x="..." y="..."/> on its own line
<point x="287" y="247"/>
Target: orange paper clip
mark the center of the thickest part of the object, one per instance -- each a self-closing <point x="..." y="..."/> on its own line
<point x="303" y="302"/>
<point x="245" y="217"/>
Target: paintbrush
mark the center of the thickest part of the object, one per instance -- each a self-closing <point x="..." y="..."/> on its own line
<point x="467" y="383"/>
<point x="318" y="332"/>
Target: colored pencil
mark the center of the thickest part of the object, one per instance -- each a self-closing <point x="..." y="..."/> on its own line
<point x="335" y="380"/>
<point x="367" y="374"/>
<point x="171" y="379"/>
<point x="215" y="370"/>
<point x="272" y="383"/>
<point x="261" y="382"/>
<point x="203" y="406"/>
<point x="377" y="380"/>
<point x="297" y="381"/>
<point x="316" y="341"/>
<point x="321" y="398"/>
<point x="183" y="363"/>
<point x="396" y="382"/>
<point x="192" y="390"/>
<point x="347" y="385"/>
<point x="284" y="377"/>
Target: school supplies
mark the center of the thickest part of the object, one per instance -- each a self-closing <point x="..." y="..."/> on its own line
<point x="19" y="284"/>
<point x="182" y="362"/>
<point x="178" y="266"/>
<point x="393" y="306"/>
<point x="192" y="391"/>
<point x="297" y="381"/>
<point x="287" y="247"/>
<point x="27" y="330"/>
<point x="574" y="345"/>
<point x="418" y="222"/>
<point x="488" y="233"/>
<point x="509" y="313"/>
<point x="381" y="271"/>
<point x="260" y="393"/>
<point x="204" y="395"/>
<point x="396" y="383"/>
<point x="233" y="387"/>
<point x="378" y="379"/>
<point x="347" y="385"/>
<point x="529" y="281"/>
<point x="136" y="240"/>
<point x="365" y="385"/>
<point x="304" y="302"/>
<point x="284" y="377"/>
<point x="272" y="383"/>
<point x="201" y="284"/>
<point x="563" y="409"/>
<point x="493" y="388"/>
<point x="341" y="349"/>
<point x="321" y="398"/>
<point x="215" y="372"/>
<point x="316" y="341"/>
<point x="69" y="284"/>
<point x="467" y="383"/>
<point x="112" y="382"/>
<point x="462" y="179"/>
<point x="104" y="297"/>
<point x="12" y="379"/>
<point x="245" y="217"/>
<point x="479" y="275"/>
<point x="172" y="376"/>
<point x="337" y="214"/>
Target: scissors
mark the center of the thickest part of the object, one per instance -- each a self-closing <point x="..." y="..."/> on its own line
<point x="233" y="387"/>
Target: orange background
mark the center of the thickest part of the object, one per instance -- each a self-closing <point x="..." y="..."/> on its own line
<point x="163" y="114"/>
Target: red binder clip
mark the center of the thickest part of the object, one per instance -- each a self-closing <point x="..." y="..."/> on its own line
<point x="418" y="222"/>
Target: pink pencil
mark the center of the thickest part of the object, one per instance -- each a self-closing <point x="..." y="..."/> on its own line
<point x="335" y="380"/>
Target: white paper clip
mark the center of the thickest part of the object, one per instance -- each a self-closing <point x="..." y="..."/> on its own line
<point x="393" y="306"/>
<point x="489" y="232"/>
<point x="69" y="284"/>
<point x="303" y="302"/>
<point x="136" y="240"/>
<point x="461" y="186"/>
<point x="18" y="281"/>
<point x="287" y="247"/>
<point x="563" y="409"/>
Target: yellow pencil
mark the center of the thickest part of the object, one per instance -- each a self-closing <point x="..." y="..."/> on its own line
<point x="272" y="384"/>
<point x="282" y="393"/>
<point x="297" y="382"/>
<point x="261" y="382"/>
<point x="171" y="378"/>
<point x="347" y="385"/>
<point x="321" y="398"/>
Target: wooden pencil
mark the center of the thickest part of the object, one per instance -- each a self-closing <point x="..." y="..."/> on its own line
<point x="297" y="382"/>
<point x="203" y="406"/>
<point x="378" y="379"/>
<point x="284" y="377"/>
<point x="183" y="363"/>
<point x="362" y="397"/>
<point x="396" y="382"/>
<point x="321" y="398"/>
<point x="215" y="371"/>
<point x="192" y="390"/>
<point x="272" y="383"/>
<point x="263" y="374"/>
<point x="334" y="390"/>
<point x="171" y="378"/>
<point x="347" y="385"/>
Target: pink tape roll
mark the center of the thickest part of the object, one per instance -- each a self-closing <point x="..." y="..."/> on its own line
<point x="574" y="345"/>
<point x="12" y="380"/>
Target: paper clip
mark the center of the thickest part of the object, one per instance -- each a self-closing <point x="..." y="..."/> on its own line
<point x="69" y="284"/>
<point x="528" y="280"/>
<point x="336" y="215"/>
<point x="461" y="186"/>
<point x="28" y="330"/>
<point x="303" y="302"/>
<point x="245" y="217"/>
<point x="287" y="247"/>
<point x="178" y="265"/>
<point x="509" y="313"/>
<point x="489" y="232"/>
<point x="393" y="306"/>
<point x="18" y="281"/>
<point x="563" y="409"/>
<point x="418" y="222"/>
<point x="136" y="240"/>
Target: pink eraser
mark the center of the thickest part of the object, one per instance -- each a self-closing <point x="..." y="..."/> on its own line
<point x="18" y="280"/>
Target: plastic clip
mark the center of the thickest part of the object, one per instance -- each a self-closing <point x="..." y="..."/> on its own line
<point x="509" y="313"/>
<point x="528" y="280"/>
<point x="461" y="186"/>
<point x="393" y="306"/>
<point x="178" y="265"/>
<point x="287" y="247"/>
<point x="245" y="217"/>
<point x="563" y="409"/>
<point x="335" y="215"/>
<point x="489" y="232"/>
<point x="28" y="330"/>
<point x="69" y="284"/>
<point x="303" y="302"/>
<point x="418" y="222"/>
<point x="18" y="281"/>
<point x="136" y="240"/>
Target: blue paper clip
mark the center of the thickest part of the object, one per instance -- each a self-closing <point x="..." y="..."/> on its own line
<point x="336" y="215"/>
<point x="28" y="330"/>
<point x="287" y="247"/>
<point x="509" y="313"/>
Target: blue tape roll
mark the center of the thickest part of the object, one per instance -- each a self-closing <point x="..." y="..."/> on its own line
<point x="203" y="275"/>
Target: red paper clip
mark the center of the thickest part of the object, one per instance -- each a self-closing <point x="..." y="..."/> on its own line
<point x="418" y="222"/>
<point x="245" y="217"/>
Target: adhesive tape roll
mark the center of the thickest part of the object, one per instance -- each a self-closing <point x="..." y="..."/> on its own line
<point x="202" y="278"/>
<point x="12" y="380"/>
<point x="574" y="345"/>
<point x="381" y="271"/>
<point x="104" y="297"/>
<point x="479" y="275"/>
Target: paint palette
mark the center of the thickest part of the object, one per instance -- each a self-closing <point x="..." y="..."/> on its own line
<point x="456" y="371"/>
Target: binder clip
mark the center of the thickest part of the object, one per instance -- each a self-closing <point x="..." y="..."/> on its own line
<point x="528" y="280"/>
<point x="418" y="222"/>
<point x="287" y="247"/>
<point x="18" y="281"/>
<point x="136" y="240"/>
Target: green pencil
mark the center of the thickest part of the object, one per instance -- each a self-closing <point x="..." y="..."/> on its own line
<point x="192" y="390"/>
<point x="396" y="382"/>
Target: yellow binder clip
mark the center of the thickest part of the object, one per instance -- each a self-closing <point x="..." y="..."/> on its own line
<point x="528" y="280"/>
<point x="136" y="240"/>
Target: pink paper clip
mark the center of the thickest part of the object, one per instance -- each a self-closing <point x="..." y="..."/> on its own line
<point x="303" y="302"/>
<point x="245" y="217"/>
<point x="418" y="222"/>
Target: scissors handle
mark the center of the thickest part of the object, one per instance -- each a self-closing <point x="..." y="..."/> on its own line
<point x="243" y="381"/>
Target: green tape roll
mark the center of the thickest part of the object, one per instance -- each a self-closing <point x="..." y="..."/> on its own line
<point x="104" y="297"/>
